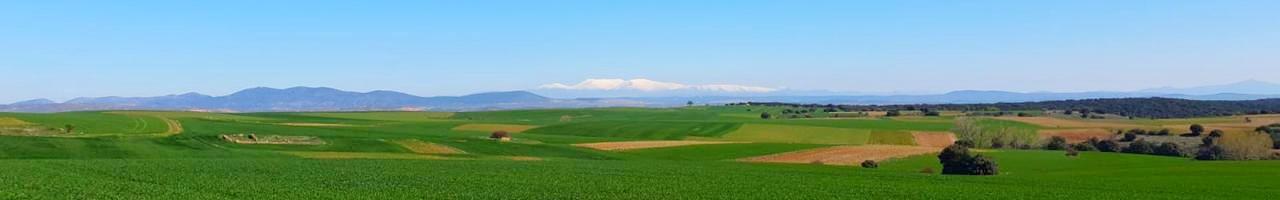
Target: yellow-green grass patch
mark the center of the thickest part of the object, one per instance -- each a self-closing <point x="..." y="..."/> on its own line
<point x="9" y="121"/>
<point x="798" y="134"/>
<point x="386" y="116"/>
<point x="362" y="155"/>
<point x="421" y="147"/>
<point x="514" y="128"/>
<point x="195" y="115"/>
<point x="632" y="145"/>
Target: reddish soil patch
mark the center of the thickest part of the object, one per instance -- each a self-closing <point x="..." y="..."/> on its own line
<point x="1077" y="135"/>
<point x="844" y="155"/>
<point x="934" y="139"/>
<point x="629" y="145"/>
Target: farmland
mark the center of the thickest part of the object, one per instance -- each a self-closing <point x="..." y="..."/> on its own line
<point x="718" y="152"/>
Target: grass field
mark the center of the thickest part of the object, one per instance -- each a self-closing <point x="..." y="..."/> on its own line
<point x="417" y="155"/>
<point x="1032" y="175"/>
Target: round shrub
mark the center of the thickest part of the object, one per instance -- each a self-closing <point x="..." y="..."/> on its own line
<point x="1210" y="152"/>
<point x="1129" y="137"/>
<point x="955" y="159"/>
<point x="1140" y="147"/>
<point x="983" y="166"/>
<point x="1168" y="149"/>
<point x="870" y="164"/>
<point x="499" y="135"/>
<point x="1196" y="129"/>
<point x="1107" y="146"/>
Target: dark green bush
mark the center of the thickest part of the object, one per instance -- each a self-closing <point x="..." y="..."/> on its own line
<point x="1056" y="143"/>
<point x="1083" y="146"/>
<point x="1129" y="137"/>
<point x="1211" y="152"/>
<point x="1107" y="146"/>
<point x="1140" y="147"/>
<point x="957" y="160"/>
<point x="1169" y="149"/>
<point x="870" y="164"/>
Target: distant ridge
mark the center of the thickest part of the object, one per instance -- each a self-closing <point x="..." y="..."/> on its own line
<point x="263" y="99"/>
<point x="1244" y="87"/>
<point x="303" y="99"/>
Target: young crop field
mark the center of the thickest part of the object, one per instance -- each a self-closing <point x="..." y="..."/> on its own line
<point x="609" y="153"/>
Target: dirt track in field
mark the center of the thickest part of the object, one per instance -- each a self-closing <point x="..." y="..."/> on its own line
<point x="175" y="127"/>
<point x="844" y="155"/>
<point x="631" y="145"/>
<point x="421" y="147"/>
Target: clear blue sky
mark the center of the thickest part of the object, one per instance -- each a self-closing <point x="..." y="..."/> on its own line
<point x="64" y="49"/>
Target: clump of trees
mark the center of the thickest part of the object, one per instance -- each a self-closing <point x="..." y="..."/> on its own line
<point x="1154" y="107"/>
<point x="1056" y="143"/>
<point x="1140" y="147"/>
<point x="765" y="115"/>
<point x="1169" y="149"/>
<point x="1107" y="146"/>
<point x="968" y="129"/>
<point x="957" y="160"/>
<point x="1272" y="130"/>
<point x="1236" y="146"/>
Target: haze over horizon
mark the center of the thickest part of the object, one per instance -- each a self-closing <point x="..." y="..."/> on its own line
<point x="150" y="48"/>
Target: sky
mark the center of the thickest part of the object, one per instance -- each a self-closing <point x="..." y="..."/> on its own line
<point x="66" y="49"/>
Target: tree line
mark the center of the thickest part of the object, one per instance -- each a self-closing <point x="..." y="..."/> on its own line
<point x="1154" y="107"/>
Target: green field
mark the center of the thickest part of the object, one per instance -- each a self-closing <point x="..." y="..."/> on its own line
<point x="123" y="155"/>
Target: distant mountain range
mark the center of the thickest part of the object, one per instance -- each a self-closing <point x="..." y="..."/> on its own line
<point x="296" y="99"/>
<point x="328" y="99"/>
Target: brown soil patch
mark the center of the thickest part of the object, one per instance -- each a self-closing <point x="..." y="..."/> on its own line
<point x="934" y="139"/>
<point x="271" y="139"/>
<point x="421" y="147"/>
<point x="1051" y="122"/>
<point x="1077" y="135"/>
<point x="844" y="155"/>
<point x="630" y="145"/>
